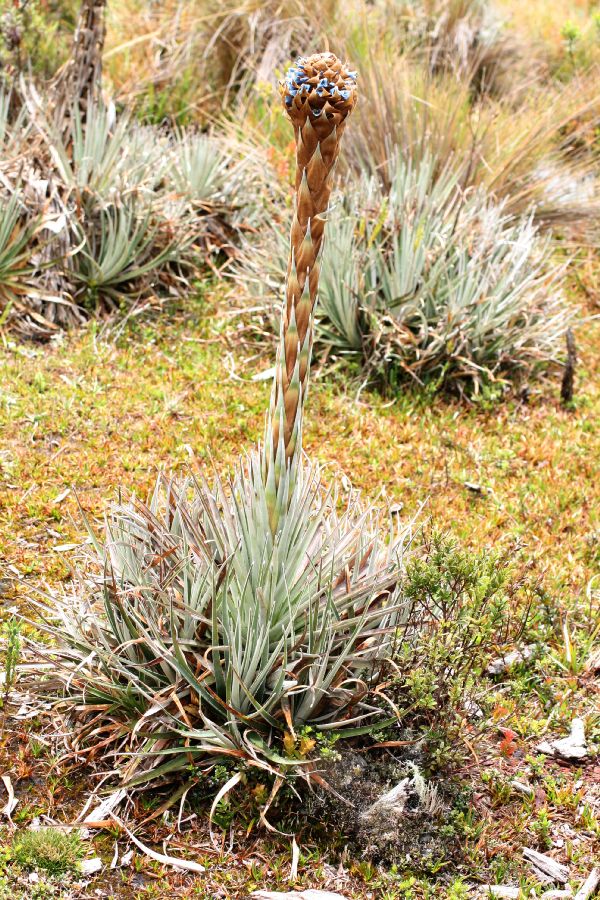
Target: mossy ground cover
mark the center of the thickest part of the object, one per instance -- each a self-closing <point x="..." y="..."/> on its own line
<point x="97" y="411"/>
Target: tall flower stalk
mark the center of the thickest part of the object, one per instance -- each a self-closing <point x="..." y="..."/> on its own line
<point x="318" y="93"/>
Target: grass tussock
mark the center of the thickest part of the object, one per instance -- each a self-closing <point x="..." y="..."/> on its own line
<point x="50" y="850"/>
<point x="189" y="61"/>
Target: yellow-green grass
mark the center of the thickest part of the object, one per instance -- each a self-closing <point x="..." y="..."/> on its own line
<point x="94" y="413"/>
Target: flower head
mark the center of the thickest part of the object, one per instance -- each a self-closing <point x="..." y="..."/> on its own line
<point x="318" y="85"/>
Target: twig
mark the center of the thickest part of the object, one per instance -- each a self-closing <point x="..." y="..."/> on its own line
<point x="187" y="864"/>
<point x="589" y="886"/>
<point x="546" y="867"/>
<point x="568" y="380"/>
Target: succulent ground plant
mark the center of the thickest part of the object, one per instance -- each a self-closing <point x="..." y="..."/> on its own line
<point x="223" y="620"/>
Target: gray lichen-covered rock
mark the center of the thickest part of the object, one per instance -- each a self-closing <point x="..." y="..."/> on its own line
<point x="574" y="747"/>
<point x="386" y="808"/>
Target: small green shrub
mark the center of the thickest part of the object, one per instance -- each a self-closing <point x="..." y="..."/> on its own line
<point x="50" y="849"/>
<point x="34" y="36"/>
<point x="468" y="606"/>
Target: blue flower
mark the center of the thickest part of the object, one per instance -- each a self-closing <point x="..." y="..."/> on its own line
<point x="296" y="83"/>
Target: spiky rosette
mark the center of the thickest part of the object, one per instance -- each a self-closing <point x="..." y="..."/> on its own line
<point x="318" y="93"/>
<point x="199" y="637"/>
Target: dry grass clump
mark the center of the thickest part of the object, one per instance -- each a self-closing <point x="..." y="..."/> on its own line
<point x="182" y="59"/>
<point x="462" y="37"/>
<point x="537" y="154"/>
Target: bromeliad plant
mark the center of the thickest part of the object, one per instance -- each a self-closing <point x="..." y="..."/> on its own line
<point x="16" y="232"/>
<point x="430" y="284"/>
<point x="226" y="618"/>
<point x="128" y="213"/>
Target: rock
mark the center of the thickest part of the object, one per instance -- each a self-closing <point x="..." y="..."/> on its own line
<point x="546" y="868"/>
<point x="506" y="662"/>
<point x="89" y="866"/>
<point x="570" y="748"/>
